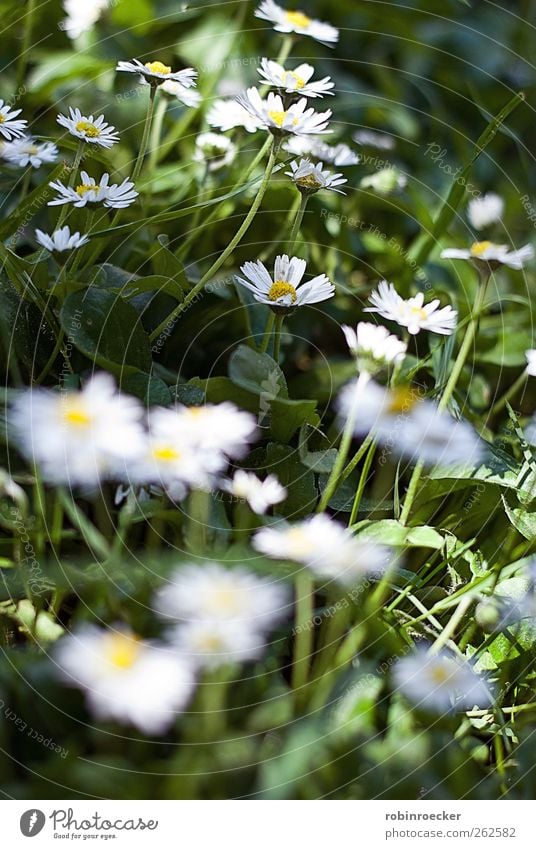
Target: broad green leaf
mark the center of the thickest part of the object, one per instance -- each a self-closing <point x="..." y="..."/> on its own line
<point x="391" y="532"/>
<point x="257" y="373"/>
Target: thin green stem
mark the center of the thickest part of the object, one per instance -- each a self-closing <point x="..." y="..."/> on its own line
<point x="146" y="133"/>
<point x="72" y="177"/>
<point x="279" y="319"/>
<point x="362" y="483"/>
<point x="303" y="629"/>
<point x="228" y="250"/>
<point x="297" y="223"/>
<point x="513" y="390"/>
<point x="26" y="39"/>
<point x="267" y="332"/>
<point x="463" y="353"/>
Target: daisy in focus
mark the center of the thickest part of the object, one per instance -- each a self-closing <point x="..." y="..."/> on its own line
<point x="26" y="151"/>
<point x="187" y="96"/>
<point x="285" y="290"/>
<point x="125" y="678"/>
<point x="260" y="495"/>
<point x="11" y="127"/>
<point x="440" y="683"/>
<point x="214" y="150"/>
<point x="326" y="547"/>
<point x="485" y="210"/>
<point x="409" y="425"/>
<point x="492" y="255"/>
<point x="373" y="346"/>
<point x="89" y="129"/>
<point x="61" y="240"/>
<point x="309" y="178"/>
<point x="412" y="313"/>
<point x="296" y="81"/>
<point x="155" y="73"/>
<point x="82" y="15"/>
<point x="78" y="437"/>
<point x="89" y="191"/>
<point x="296" y="22"/>
<point x="228" y="114"/>
<point x="273" y="116"/>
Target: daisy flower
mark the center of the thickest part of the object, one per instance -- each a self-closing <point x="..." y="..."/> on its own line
<point x="440" y="683"/>
<point x="11" y="127"/>
<point x="296" y="21"/>
<point x="81" y="15"/>
<point x="412" y="313"/>
<point x="170" y="460"/>
<point x="26" y="151"/>
<point x="125" y="678"/>
<point x="260" y="495"/>
<point x="373" y="346"/>
<point x="61" y="240"/>
<point x="228" y="114"/>
<point x="296" y="81"/>
<point x="89" y="129"/>
<point x="324" y="546"/>
<point x="409" y="425"/>
<point x="384" y="181"/>
<point x="209" y="644"/>
<point x="221" y="428"/>
<point x="285" y="290"/>
<point x="213" y="593"/>
<point x="339" y="155"/>
<point x="89" y="191"/>
<point x="485" y="210"/>
<point x="188" y="96"/>
<point x="78" y="437"/>
<point x="492" y="254"/>
<point x="531" y="361"/>
<point x="370" y="138"/>
<point x="309" y="178"/>
<point x="215" y="150"/>
<point x="156" y="73"/>
<point x="273" y="116"/>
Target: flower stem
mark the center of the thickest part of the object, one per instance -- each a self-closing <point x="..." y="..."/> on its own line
<point x="516" y="385"/>
<point x="297" y="223"/>
<point x="72" y="177"/>
<point x="26" y="39"/>
<point x="228" y="250"/>
<point x="303" y="629"/>
<point x="362" y="483"/>
<point x="267" y="332"/>
<point x="448" y="392"/>
<point x="146" y="132"/>
<point x="347" y="434"/>
<point x="280" y="317"/>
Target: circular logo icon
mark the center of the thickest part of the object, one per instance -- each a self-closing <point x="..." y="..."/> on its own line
<point x="32" y="822"/>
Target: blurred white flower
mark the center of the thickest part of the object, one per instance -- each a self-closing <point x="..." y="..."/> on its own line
<point x="124" y="678"/>
<point x="531" y="361"/>
<point x="81" y="15"/>
<point x="260" y="495"/>
<point x="188" y="96"/>
<point x="222" y="428"/>
<point x="11" y="127"/>
<point x="61" y="240"/>
<point x="209" y="644"/>
<point x="156" y="73"/>
<point x="492" y="254"/>
<point x="412" y="313"/>
<point x="371" y="138"/>
<point x="228" y="114"/>
<point x="298" y="22"/>
<point x="339" y="155"/>
<point x="26" y="151"/>
<point x="214" y="149"/>
<point x="373" y="346"/>
<point x="384" y="181"/>
<point x="214" y="593"/>
<point x="310" y="178"/>
<point x="327" y="548"/>
<point x="485" y="210"/>
<point x="298" y="80"/>
<point x="89" y="129"/>
<point x="409" y="425"/>
<point x="89" y="191"/>
<point x="440" y="683"/>
<point x="285" y="290"/>
<point x="78" y="437"/>
<point x="272" y="114"/>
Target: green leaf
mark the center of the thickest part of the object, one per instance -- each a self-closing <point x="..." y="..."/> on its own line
<point x="521" y="519"/>
<point x="288" y="415"/>
<point x="391" y="532"/>
<point x="257" y="373"/>
<point x="151" y="390"/>
<point x="284" y="462"/>
<point x="107" y="330"/>
<point x="25" y="211"/>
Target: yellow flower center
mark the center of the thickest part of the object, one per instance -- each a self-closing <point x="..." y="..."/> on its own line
<point x="225" y="599"/>
<point x="75" y="414"/>
<point x="479" y="248"/>
<point x="88" y="129"/>
<point x="122" y="650"/>
<point x="309" y="181"/>
<point x="210" y="643"/>
<point x="165" y="453"/>
<point x="300" y="543"/>
<point x="158" y="68"/>
<point x="2" y="118"/>
<point x="402" y="400"/>
<point x="277" y="117"/>
<point x="299" y="82"/>
<point x="419" y="312"/>
<point x="84" y="188"/>
<point x="440" y="674"/>
<point x="281" y="288"/>
<point x="32" y="149"/>
<point x="298" y="19"/>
